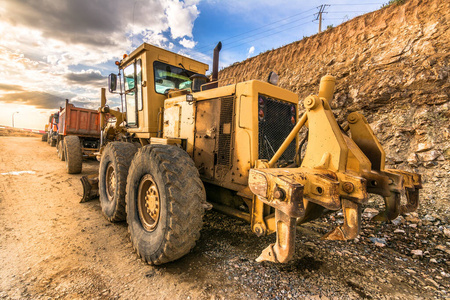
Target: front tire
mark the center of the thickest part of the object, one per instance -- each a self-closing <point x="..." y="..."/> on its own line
<point x="73" y="154"/>
<point x="44" y="137"/>
<point x="165" y="203"/>
<point x="113" y="172"/>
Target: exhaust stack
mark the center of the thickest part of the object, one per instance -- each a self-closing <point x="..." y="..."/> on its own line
<point x="215" y="70"/>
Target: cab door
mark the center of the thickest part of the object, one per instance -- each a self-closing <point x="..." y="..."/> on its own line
<point x="133" y="92"/>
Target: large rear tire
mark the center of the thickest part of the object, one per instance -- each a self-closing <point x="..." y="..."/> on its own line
<point x="165" y="203"/>
<point x="73" y="154"/>
<point x="60" y="150"/>
<point x="113" y="172"/>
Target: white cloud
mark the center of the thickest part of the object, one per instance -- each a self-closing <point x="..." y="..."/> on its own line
<point x="188" y="43"/>
<point x="251" y="51"/>
<point x="157" y="39"/>
<point x="54" y="33"/>
<point x="64" y="47"/>
<point x="181" y="17"/>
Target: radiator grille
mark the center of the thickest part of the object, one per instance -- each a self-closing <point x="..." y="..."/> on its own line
<point x="225" y="129"/>
<point x="276" y="121"/>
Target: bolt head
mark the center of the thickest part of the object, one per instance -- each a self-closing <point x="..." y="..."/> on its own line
<point x="259" y="230"/>
<point x="352" y="118"/>
<point x="310" y="102"/>
<point x="348" y="187"/>
<point x="279" y="194"/>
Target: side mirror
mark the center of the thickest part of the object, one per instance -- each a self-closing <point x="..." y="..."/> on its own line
<point x="112" y="82"/>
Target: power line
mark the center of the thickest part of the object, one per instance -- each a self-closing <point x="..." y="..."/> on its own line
<point x="318" y="17"/>
<point x="256" y="29"/>
<point x="265" y="33"/>
<point x="269" y="35"/>
<point x="270" y="29"/>
<point x="356" y="4"/>
<point x="347" y="11"/>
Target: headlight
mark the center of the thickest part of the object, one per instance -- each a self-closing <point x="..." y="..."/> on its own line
<point x="189" y="98"/>
<point x="258" y="183"/>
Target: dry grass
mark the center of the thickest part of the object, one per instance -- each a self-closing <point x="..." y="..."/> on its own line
<point x="8" y="131"/>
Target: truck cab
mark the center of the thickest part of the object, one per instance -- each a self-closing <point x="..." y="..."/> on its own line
<point x="53" y="123"/>
<point x="147" y="74"/>
<point x="224" y="126"/>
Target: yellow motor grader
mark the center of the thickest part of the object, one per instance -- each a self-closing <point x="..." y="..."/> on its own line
<point x="185" y="138"/>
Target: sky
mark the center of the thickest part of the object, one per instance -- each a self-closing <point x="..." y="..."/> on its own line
<point x="52" y="50"/>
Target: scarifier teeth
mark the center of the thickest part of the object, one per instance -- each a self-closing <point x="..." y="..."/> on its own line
<point x="268" y="254"/>
<point x="392" y="204"/>
<point x="335" y="235"/>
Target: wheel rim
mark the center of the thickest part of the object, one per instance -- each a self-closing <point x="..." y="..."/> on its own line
<point x="110" y="181"/>
<point x="149" y="203"/>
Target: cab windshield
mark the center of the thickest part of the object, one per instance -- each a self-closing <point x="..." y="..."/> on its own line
<point x="168" y="77"/>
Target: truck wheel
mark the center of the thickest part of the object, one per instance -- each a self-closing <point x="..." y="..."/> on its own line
<point x="60" y="150"/>
<point x="113" y="172"/>
<point x="44" y="137"/>
<point x="73" y="155"/>
<point x="49" y="139"/>
<point x="53" y="142"/>
<point x="165" y="198"/>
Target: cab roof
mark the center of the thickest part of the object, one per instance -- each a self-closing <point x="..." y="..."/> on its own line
<point x="147" y="47"/>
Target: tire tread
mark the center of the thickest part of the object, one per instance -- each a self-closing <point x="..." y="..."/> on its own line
<point x="185" y="194"/>
<point x="74" y="156"/>
<point x="123" y="153"/>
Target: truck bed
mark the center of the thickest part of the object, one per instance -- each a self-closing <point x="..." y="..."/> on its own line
<point x="79" y="121"/>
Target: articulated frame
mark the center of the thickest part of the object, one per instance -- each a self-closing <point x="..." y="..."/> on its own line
<point x="337" y="171"/>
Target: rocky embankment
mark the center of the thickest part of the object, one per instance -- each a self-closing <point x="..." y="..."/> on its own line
<point x="392" y="65"/>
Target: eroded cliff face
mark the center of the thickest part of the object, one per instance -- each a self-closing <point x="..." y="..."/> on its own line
<point x="392" y="65"/>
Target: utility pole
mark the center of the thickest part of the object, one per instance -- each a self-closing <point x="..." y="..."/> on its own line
<point x="319" y="15"/>
<point x="16" y="112"/>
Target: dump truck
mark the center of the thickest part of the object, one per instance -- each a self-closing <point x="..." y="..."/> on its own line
<point x="51" y="130"/>
<point x="78" y="136"/>
<point x="186" y="143"/>
<point x="44" y="137"/>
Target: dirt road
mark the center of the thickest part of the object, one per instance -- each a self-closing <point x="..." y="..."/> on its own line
<point x="51" y="246"/>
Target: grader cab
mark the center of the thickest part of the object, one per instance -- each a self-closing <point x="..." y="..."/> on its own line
<point x="185" y="139"/>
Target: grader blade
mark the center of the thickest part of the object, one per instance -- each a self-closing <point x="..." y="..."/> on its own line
<point x="90" y="188"/>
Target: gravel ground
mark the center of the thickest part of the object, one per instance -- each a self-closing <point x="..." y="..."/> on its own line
<point x="53" y="247"/>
